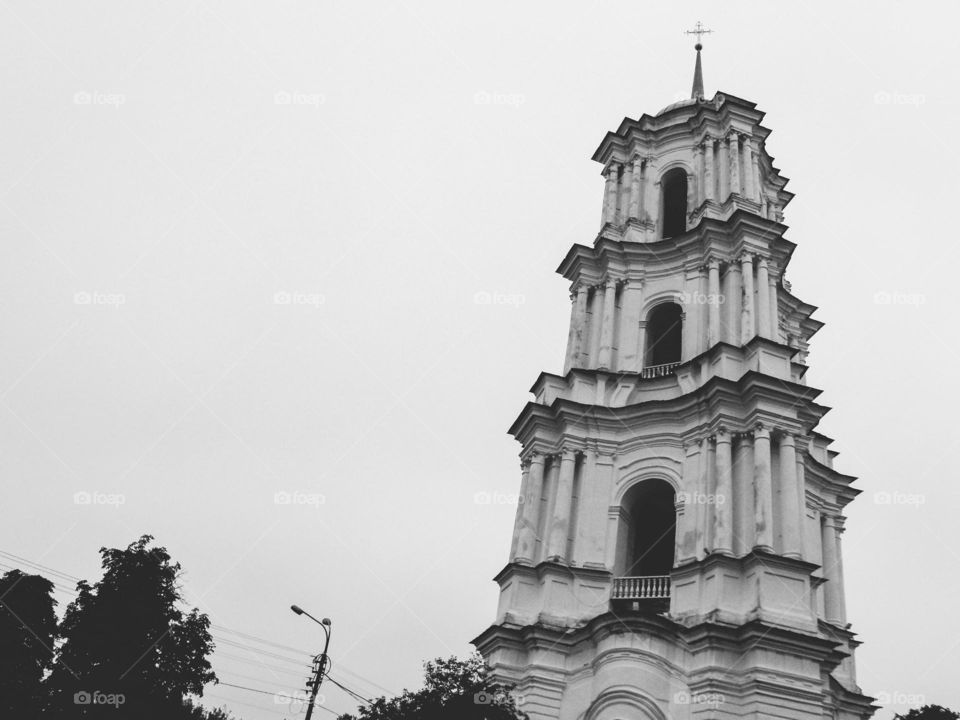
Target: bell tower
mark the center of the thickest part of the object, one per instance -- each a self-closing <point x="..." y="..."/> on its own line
<point x="677" y="550"/>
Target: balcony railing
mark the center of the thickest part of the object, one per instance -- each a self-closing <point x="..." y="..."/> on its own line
<point x="648" y="587"/>
<point x="656" y="371"/>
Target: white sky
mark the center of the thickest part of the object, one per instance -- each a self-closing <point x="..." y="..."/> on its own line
<point x="385" y="189"/>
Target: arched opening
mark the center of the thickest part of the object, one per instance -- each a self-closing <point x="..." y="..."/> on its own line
<point x="664" y="335"/>
<point x="674" y="203"/>
<point x="648" y="530"/>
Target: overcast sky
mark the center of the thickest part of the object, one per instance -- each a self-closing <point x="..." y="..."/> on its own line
<point x="241" y="245"/>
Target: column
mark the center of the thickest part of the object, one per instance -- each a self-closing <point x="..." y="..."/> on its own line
<point x="841" y="584"/>
<point x="762" y="490"/>
<point x="606" y="330"/>
<point x="734" y="163"/>
<point x="713" y="301"/>
<point x="790" y="511"/>
<point x="763" y="299"/>
<point x="709" y="173"/>
<point x="698" y="172"/>
<point x="578" y="320"/>
<point x="530" y="510"/>
<point x="731" y="304"/>
<point x="758" y="184"/>
<point x="724" y="171"/>
<point x="723" y="505"/>
<point x="518" y="521"/>
<point x="701" y="518"/>
<point x="749" y="181"/>
<point x="631" y="302"/>
<point x="744" y="531"/>
<point x="635" y="177"/>
<point x="746" y="316"/>
<point x="559" y="529"/>
<point x="596" y="322"/>
<point x="774" y="306"/>
<point x="610" y="193"/>
<point x="651" y="202"/>
<point x="831" y="570"/>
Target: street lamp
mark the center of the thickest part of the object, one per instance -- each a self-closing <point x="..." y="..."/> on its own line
<point x="322" y="665"/>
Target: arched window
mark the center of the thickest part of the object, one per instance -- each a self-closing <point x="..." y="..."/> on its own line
<point x="674" y="203"/>
<point x="664" y="335"/>
<point x="648" y="530"/>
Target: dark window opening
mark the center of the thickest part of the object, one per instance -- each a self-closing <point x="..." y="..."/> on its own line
<point x="664" y="335"/>
<point x="652" y="528"/>
<point x="674" y="203"/>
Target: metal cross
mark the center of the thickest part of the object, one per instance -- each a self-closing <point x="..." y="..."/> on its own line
<point x="699" y="31"/>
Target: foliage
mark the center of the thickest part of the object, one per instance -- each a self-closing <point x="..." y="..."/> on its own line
<point x="453" y="689"/>
<point x="929" y="712"/>
<point x="28" y="630"/>
<point x="128" y="650"/>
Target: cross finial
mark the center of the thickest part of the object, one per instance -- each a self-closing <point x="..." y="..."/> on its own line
<point x="699" y="30"/>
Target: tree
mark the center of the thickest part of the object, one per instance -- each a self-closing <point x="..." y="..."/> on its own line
<point x="128" y="646"/>
<point x="453" y="689"/>
<point x="28" y="630"/>
<point x="929" y="712"/>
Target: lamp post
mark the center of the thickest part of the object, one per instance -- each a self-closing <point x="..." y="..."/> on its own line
<point x="322" y="658"/>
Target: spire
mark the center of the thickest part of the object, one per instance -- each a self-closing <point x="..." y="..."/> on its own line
<point x="697" y="92"/>
<point x="699" y="30"/>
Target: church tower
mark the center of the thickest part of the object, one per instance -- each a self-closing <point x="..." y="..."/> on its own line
<point x="676" y="552"/>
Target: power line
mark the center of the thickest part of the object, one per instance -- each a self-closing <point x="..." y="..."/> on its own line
<point x="289" y="671"/>
<point x="62" y="576"/>
<point x="263" y="641"/>
<point x="358" y="696"/>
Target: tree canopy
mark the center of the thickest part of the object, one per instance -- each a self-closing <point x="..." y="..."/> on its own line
<point x="453" y="689"/>
<point x="930" y="712"/>
<point x="127" y="644"/>
<point x="28" y="631"/>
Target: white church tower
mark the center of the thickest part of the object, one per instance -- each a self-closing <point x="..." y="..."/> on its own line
<point x="677" y="551"/>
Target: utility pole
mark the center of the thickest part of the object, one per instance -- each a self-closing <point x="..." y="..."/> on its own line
<point x="319" y="661"/>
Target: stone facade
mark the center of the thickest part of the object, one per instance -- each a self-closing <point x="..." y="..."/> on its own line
<point x="682" y="408"/>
